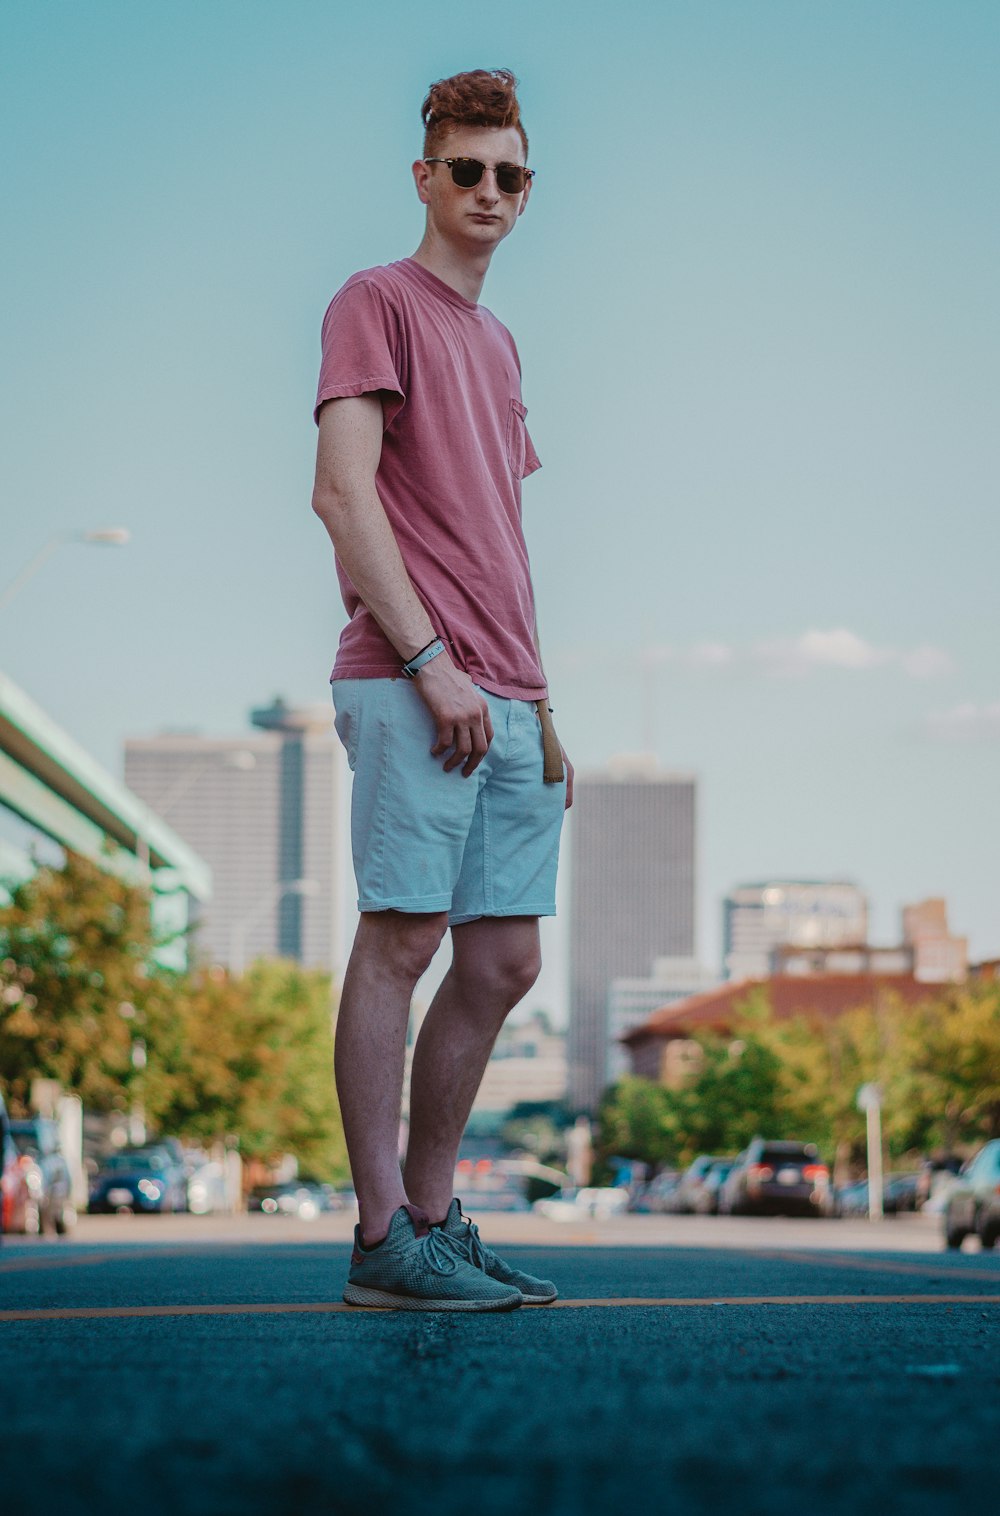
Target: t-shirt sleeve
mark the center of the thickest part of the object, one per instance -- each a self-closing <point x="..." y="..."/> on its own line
<point x="362" y="349"/>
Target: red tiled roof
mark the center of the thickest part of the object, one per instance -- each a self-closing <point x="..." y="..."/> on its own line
<point x="789" y="995"/>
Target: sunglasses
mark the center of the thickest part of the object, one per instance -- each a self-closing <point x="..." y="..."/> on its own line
<point x="467" y="172"/>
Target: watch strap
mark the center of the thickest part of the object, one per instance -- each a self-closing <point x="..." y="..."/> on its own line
<point x="413" y="666"/>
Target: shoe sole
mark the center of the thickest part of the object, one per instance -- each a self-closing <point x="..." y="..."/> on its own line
<point x="356" y="1294"/>
<point x="539" y="1299"/>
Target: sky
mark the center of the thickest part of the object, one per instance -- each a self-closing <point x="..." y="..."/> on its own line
<point x="755" y="299"/>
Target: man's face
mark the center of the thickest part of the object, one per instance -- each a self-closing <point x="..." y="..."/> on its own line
<point x="480" y="217"/>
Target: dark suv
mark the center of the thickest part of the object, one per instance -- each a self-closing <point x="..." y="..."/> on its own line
<point x="777" y="1179"/>
<point x="38" y="1141"/>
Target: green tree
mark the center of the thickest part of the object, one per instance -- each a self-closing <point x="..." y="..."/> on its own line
<point x="735" y="1094"/>
<point x="946" y="1091"/>
<point x="637" y="1119"/>
<point x="95" y="1011"/>
<point x="255" y="1059"/>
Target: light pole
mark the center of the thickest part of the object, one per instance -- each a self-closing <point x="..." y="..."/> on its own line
<point x="870" y="1101"/>
<point x="238" y="933"/>
<point x="111" y="536"/>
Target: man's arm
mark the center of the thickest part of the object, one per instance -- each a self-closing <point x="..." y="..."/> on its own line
<point x="346" y="501"/>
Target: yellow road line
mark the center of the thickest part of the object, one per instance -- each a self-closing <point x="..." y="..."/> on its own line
<point x="329" y="1307"/>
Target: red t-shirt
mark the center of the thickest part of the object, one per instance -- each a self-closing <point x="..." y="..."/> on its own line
<point x="455" y="448"/>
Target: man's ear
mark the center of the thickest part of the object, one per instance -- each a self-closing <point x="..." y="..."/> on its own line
<point x="422" y="179"/>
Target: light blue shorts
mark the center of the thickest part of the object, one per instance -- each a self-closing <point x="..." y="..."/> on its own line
<point x="427" y="840"/>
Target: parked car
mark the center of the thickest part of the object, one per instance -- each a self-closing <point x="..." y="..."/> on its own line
<point x="19" y="1177"/>
<point x="777" y="1178"/>
<point x="591" y="1203"/>
<point x="4" y="1131"/>
<point x="851" y="1199"/>
<point x="139" y="1180"/>
<point x="973" y="1203"/>
<point x="901" y="1192"/>
<point x="692" y="1182"/>
<point x="291" y="1199"/>
<point x="508" y="1197"/>
<point x="206" y="1189"/>
<point x="48" y="1176"/>
<point x="656" y="1197"/>
<point x="937" y="1176"/>
<point x="706" y="1202"/>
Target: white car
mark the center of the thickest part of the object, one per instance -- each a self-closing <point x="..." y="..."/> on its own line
<point x="206" y="1190"/>
<point x="597" y="1204"/>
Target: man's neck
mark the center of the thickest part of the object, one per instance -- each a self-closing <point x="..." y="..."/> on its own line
<point x="463" y="272"/>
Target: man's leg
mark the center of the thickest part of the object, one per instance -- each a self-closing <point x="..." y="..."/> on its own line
<point x="496" y="961"/>
<point x="391" y="951"/>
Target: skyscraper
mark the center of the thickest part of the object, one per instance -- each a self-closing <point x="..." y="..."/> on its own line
<point x="262" y="811"/>
<point x="632" y="884"/>
<point x="758" y="918"/>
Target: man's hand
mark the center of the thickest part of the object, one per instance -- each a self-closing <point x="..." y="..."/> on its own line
<point x="462" y="717"/>
<point x="569" y="777"/>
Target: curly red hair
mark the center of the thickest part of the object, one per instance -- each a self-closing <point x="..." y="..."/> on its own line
<point x="482" y="97"/>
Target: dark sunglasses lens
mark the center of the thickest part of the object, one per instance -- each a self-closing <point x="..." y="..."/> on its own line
<point x="510" y="178"/>
<point x="466" y="172"/>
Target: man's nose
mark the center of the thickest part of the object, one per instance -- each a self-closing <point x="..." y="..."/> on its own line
<point x="487" y="189"/>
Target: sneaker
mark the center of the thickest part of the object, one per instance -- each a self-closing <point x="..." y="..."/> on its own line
<point x="418" y="1268"/>
<point x="465" y="1234"/>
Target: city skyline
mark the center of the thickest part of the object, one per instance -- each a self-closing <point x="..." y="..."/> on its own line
<point x="757" y="360"/>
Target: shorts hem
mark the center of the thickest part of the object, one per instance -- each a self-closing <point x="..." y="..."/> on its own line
<point x="415" y="903"/>
<point x="543" y="908"/>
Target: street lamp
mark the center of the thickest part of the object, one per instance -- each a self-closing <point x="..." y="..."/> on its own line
<point x="870" y="1101"/>
<point x="238" y="933"/>
<point x="111" y="536"/>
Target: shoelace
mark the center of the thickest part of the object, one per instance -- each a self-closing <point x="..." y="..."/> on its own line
<point x="440" y="1251"/>
<point x="472" y="1247"/>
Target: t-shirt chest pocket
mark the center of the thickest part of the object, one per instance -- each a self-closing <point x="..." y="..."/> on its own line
<point x="516" y="433"/>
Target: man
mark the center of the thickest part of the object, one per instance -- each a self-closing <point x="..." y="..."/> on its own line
<point x="440" y="698"/>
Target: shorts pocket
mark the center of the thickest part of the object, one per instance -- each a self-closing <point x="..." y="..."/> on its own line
<point x="345" y="705"/>
<point x="516" y="435"/>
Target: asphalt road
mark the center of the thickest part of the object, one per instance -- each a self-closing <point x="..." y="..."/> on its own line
<point x="212" y="1370"/>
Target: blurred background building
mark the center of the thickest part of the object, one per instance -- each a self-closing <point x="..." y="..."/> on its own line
<point x="803" y="913"/>
<point x="55" y="797"/>
<point x="632" y="900"/>
<point x="630" y="1002"/>
<point x="261" y="809"/>
<point x="662" y="1047"/>
<point x="938" y="956"/>
<point x="527" y="1066"/>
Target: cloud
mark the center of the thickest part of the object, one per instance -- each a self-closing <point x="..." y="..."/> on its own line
<point x="814" y="649"/>
<point x="926" y="662"/>
<point x="967" y="722"/>
<point x="711" y="655"/>
<point x="843" y="649"/>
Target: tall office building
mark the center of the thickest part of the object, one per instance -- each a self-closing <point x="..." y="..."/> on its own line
<point x="632" y="883"/>
<point x="262" y="811"/>
<point x="806" y="913"/>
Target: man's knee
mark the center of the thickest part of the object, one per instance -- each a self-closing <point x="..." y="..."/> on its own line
<point x="506" y="973"/>
<point x="405" y="942"/>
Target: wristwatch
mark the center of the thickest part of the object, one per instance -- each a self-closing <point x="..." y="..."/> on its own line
<point x="416" y="663"/>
